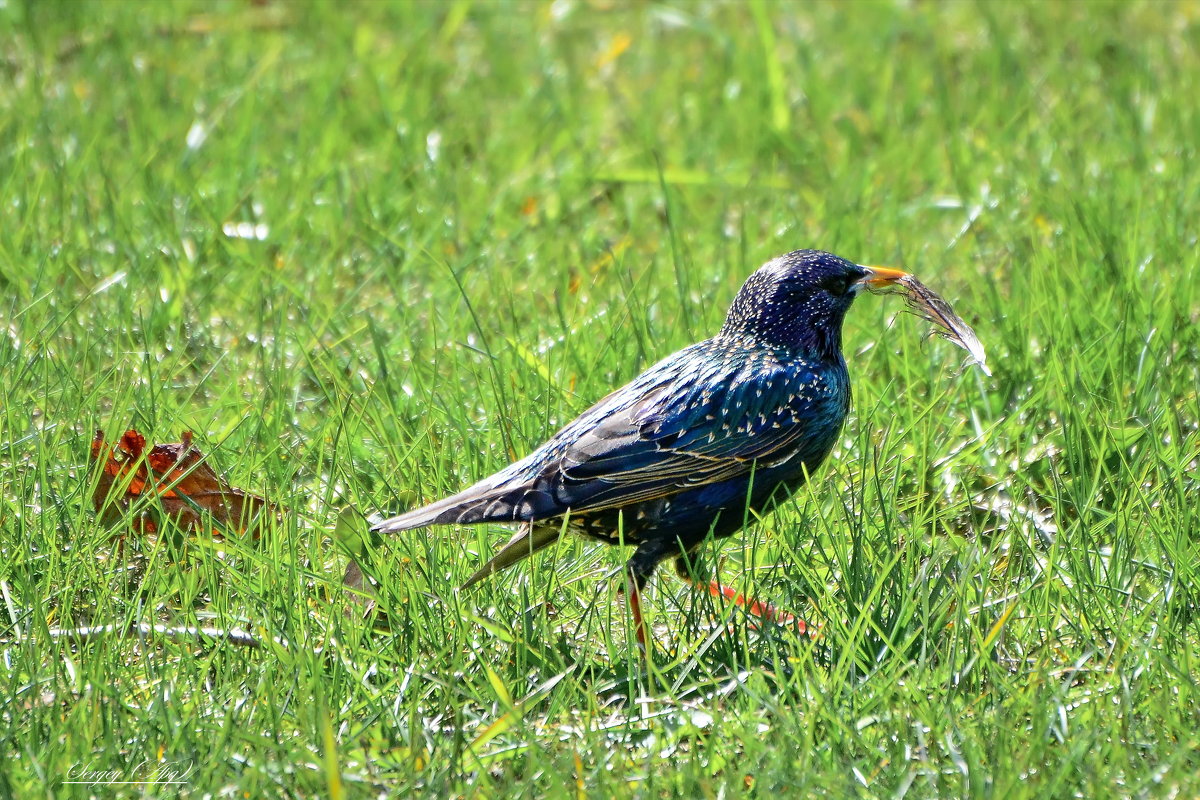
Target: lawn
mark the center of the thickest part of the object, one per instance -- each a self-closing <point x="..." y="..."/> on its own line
<point x="371" y="253"/>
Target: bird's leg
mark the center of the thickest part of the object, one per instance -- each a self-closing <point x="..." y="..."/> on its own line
<point x="755" y="608"/>
<point x="638" y="570"/>
<point x="633" y="597"/>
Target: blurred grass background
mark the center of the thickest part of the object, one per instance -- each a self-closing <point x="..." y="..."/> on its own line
<point x="371" y="252"/>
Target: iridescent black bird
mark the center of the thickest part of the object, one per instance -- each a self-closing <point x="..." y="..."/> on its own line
<point x="739" y="420"/>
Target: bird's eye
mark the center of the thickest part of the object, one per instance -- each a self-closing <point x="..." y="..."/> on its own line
<point x="837" y="285"/>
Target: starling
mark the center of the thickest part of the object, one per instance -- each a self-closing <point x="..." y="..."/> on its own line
<point x="735" y="422"/>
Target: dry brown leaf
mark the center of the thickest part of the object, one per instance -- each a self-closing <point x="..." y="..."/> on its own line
<point x="183" y="485"/>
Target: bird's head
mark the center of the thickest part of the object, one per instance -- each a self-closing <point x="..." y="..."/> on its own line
<point x="797" y="301"/>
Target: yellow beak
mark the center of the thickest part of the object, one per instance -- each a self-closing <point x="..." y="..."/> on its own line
<point x="881" y="276"/>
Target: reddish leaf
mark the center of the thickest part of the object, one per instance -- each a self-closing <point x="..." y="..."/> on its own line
<point x="178" y="478"/>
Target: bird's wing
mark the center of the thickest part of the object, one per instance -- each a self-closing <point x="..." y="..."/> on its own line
<point x="676" y="427"/>
<point x="699" y="430"/>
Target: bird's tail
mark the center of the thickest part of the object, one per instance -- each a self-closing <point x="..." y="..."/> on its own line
<point x="483" y="502"/>
<point x="488" y="502"/>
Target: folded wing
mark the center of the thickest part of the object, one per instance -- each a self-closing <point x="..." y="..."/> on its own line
<point x="665" y="433"/>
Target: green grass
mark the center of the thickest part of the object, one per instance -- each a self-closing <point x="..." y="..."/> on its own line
<point x="479" y="218"/>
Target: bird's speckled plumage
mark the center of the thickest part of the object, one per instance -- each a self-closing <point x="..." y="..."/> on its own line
<point x="737" y="420"/>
